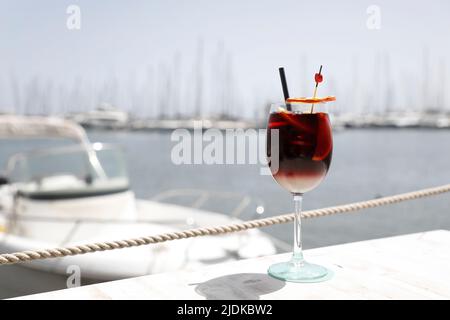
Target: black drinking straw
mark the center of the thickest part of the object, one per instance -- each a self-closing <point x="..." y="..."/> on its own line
<point x="285" y="87"/>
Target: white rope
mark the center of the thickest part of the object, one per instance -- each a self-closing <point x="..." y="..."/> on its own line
<point x="24" y="256"/>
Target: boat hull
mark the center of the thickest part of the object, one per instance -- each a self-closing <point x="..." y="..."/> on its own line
<point x="151" y="218"/>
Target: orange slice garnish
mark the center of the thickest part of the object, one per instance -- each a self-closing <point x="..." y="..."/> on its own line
<point x="324" y="141"/>
<point x="311" y="100"/>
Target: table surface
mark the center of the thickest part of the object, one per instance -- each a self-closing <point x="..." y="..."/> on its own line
<point x="414" y="266"/>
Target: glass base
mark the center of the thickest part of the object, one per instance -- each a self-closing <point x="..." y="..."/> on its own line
<point x="299" y="271"/>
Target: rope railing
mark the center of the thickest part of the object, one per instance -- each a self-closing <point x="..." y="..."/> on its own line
<point x="25" y="256"/>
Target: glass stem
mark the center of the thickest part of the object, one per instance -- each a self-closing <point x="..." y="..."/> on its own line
<point x="297" y="257"/>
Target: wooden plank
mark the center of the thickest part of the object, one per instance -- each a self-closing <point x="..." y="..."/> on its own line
<point x="415" y="266"/>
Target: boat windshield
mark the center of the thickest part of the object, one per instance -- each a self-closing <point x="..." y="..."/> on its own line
<point x="69" y="172"/>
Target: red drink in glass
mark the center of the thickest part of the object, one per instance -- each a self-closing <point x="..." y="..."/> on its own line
<point x="304" y="149"/>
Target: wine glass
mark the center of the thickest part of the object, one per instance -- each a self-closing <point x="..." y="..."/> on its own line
<point x="299" y="151"/>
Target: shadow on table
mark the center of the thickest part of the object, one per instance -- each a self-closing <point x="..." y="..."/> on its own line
<point x="239" y="286"/>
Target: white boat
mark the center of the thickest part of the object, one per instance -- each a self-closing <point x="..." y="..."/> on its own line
<point x="104" y="117"/>
<point x="79" y="193"/>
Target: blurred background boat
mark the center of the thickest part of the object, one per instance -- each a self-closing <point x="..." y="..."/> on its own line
<point x="104" y="117"/>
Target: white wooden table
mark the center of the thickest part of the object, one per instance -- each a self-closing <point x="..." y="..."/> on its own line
<point x="415" y="266"/>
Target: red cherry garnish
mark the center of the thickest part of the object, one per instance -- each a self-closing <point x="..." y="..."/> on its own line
<point x="318" y="78"/>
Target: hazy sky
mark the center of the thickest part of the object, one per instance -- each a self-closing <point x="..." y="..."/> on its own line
<point x="134" y="54"/>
